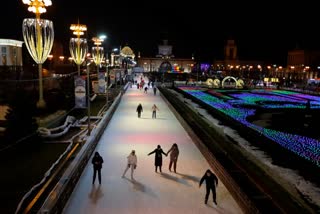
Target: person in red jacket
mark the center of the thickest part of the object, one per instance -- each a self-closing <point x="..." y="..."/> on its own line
<point x="211" y="184"/>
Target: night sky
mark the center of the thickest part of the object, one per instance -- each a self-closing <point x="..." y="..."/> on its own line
<point x="264" y="30"/>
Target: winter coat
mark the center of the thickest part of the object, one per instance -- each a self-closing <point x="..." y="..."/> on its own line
<point x="97" y="162"/>
<point x="158" y="156"/>
<point x="132" y="160"/>
<point x="211" y="181"/>
<point x="174" y="153"/>
<point x="139" y="108"/>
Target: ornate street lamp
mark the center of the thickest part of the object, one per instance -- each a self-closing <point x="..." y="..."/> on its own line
<point x="78" y="46"/>
<point x="97" y="52"/>
<point x="38" y="36"/>
<point x="97" y="55"/>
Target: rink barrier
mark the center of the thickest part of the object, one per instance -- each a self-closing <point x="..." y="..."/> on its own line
<point x="59" y="196"/>
<point x="241" y="198"/>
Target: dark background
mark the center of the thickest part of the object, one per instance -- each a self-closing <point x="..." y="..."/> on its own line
<point x="263" y="30"/>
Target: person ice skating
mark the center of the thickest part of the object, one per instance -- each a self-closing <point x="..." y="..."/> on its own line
<point x="146" y="89"/>
<point x="154" y="91"/>
<point x="211" y="184"/>
<point x="139" y="110"/>
<point x="154" y="111"/>
<point x="158" y="157"/>
<point x="97" y="162"/>
<point x="174" y="153"/>
<point x="132" y="163"/>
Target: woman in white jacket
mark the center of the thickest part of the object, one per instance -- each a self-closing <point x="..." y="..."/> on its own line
<point x="132" y="163"/>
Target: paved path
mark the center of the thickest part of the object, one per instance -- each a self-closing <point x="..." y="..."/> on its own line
<point x="150" y="192"/>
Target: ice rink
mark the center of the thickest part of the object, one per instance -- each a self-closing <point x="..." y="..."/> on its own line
<point x="149" y="192"/>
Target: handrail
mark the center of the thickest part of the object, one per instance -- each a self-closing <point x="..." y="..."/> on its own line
<point x="55" y="201"/>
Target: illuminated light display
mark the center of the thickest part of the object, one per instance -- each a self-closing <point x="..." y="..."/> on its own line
<point x="176" y="69"/>
<point x="38" y="35"/>
<point x="303" y="146"/>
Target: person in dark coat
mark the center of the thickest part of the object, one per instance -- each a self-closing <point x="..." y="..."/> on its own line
<point x="146" y="89"/>
<point x="154" y="91"/>
<point x="173" y="157"/>
<point x="97" y="161"/>
<point x="139" y="110"/>
<point x="158" y="157"/>
<point x="211" y="184"/>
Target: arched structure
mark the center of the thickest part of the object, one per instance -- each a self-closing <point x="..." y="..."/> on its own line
<point x="228" y="78"/>
<point x="165" y="66"/>
<point x="127" y="57"/>
<point x="126" y="52"/>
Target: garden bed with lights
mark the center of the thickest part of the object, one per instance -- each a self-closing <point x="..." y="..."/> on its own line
<point x="241" y="107"/>
<point x="235" y="108"/>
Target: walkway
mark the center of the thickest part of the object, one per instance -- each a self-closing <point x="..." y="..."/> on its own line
<point x="150" y="192"/>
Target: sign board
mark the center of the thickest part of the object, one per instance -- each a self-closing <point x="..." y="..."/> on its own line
<point x="137" y="69"/>
<point x="80" y="92"/>
<point x="101" y="83"/>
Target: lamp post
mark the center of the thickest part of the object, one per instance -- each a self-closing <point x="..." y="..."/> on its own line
<point x="88" y="97"/>
<point x="102" y="38"/>
<point x="38" y="35"/>
<point x="107" y="85"/>
<point x="78" y="46"/>
<point x="97" y="52"/>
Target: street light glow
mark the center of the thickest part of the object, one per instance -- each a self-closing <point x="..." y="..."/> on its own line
<point x="78" y="29"/>
<point x="103" y="37"/>
<point x="38" y="35"/>
<point x="37" y="6"/>
<point x="78" y="47"/>
<point x="97" y="41"/>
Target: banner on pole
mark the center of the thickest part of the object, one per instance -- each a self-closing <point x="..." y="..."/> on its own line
<point x="80" y="92"/>
<point x="102" y="83"/>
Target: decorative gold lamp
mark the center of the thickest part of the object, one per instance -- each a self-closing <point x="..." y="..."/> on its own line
<point x="38" y="35"/>
<point x="78" y="46"/>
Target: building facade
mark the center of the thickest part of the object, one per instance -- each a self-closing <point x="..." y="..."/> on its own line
<point x="233" y="66"/>
<point x="11" y="52"/>
<point x="165" y="61"/>
<point x="303" y="64"/>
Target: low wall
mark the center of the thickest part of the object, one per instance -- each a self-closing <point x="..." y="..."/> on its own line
<point x="59" y="196"/>
<point x="242" y="199"/>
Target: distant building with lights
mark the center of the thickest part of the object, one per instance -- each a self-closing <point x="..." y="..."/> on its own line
<point x="303" y="64"/>
<point x="165" y="61"/>
<point x="232" y="62"/>
<point x="11" y="53"/>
